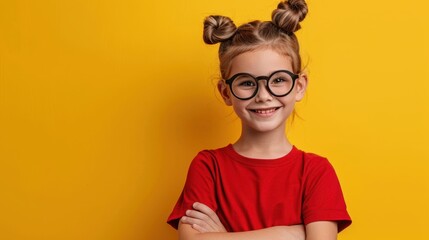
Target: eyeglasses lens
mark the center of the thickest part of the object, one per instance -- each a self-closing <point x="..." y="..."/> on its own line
<point x="245" y="86"/>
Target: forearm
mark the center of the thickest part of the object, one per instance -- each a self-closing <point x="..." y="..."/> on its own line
<point x="321" y="230"/>
<point x="186" y="232"/>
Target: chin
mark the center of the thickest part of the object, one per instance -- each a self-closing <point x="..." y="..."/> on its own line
<point x="266" y="128"/>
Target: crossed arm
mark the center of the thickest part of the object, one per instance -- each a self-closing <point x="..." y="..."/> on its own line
<point x="202" y="223"/>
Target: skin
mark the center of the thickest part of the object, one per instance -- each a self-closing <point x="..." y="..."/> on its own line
<point x="263" y="136"/>
<point x="263" y="121"/>
<point x="202" y="223"/>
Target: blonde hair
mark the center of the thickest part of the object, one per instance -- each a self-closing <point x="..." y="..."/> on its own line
<point x="277" y="34"/>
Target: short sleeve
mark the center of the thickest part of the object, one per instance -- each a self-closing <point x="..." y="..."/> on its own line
<point x="199" y="187"/>
<point x="323" y="197"/>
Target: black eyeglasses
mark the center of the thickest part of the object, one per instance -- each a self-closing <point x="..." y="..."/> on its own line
<point x="245" y="86"/>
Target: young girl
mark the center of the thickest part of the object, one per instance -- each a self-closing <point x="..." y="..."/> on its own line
<point x="262" y="186"/>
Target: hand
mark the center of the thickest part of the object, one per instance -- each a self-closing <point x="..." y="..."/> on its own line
<point x="203" y="219"/>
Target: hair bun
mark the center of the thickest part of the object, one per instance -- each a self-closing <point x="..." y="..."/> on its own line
<point x="218" y="29"/>
<point x="288" y="15"/>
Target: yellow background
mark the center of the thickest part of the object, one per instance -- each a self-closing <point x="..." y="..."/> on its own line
<point x="103" y="104"/>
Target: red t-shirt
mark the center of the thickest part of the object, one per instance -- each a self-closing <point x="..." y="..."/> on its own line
<point x="249" y="194"/>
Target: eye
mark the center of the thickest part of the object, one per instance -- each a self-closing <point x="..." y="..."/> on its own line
<point x="278" y="80"/>
<point x="247" y="83"/>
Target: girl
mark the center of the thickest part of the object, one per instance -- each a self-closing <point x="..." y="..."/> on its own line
<point x="262" y="186"/>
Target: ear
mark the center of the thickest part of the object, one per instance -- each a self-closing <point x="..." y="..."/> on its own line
<point x="224" y="92"/>
<point x="301" y="86"/>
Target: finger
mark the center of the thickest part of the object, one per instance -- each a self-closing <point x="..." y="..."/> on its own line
<point x="189" y="221"/>
<point x="214" y="220"/>
<point x="201" y="216"/>
<point x="206" y="210"/>
<point x="210" y="213"/>
<point x="199" y="228"/>
<point x="203" y="226"/>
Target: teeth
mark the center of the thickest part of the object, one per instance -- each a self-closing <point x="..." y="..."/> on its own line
<point x="264" y="111"/>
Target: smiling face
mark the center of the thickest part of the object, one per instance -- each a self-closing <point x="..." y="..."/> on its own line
<point x="264" y="112"/>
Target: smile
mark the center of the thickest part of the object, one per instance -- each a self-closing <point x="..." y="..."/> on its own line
<point x="266" y="111"/>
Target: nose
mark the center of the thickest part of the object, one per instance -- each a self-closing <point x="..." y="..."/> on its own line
<point x="263" y="94"/>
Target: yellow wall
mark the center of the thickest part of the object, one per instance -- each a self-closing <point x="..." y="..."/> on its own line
<point x="104" y="103"/>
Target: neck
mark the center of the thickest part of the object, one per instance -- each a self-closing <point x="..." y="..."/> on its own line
<point x="263" y="145"/>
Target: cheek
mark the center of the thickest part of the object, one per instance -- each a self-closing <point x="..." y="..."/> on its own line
<point x="295" y="96"/>
<point x="239" y="106"/>
<point x="289" y="103"/>
<point x="289" y="100"/>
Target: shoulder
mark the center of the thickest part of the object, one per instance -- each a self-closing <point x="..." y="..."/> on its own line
<point x="314" y="160"/>
<point x="315" y="163"/>
<point x="209" y="157"/>
<point x="211" y="154"/>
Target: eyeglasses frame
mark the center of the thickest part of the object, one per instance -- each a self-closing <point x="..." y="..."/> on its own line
<point x="267" y="78"/>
